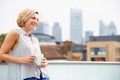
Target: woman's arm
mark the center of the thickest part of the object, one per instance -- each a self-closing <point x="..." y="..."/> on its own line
<point x="8" y="44"/>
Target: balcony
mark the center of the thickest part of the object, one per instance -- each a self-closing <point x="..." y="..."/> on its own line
<point x="77" y="70"/>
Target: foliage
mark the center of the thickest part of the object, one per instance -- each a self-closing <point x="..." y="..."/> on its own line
<point x="67" y="47"/>
<point x="2" y="37"/>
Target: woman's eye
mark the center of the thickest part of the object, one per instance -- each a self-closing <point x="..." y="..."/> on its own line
<point x="34" y="18"/>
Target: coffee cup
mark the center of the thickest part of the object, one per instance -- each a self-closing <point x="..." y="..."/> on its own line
<point x="38" y="59"/>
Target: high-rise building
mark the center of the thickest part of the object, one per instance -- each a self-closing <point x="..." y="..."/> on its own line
<point x="112" y="29"/>
<point x="56" y="32"/>
<point x="103" y="29"/>
<point x="107" y="30"/>
<point x="76" y="28"/>
<point x="87" y="35"/>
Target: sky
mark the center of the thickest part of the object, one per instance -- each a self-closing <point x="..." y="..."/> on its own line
<point x="59" y="11"/>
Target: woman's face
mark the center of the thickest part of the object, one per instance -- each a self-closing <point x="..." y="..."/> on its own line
<point x="32" y="23"/>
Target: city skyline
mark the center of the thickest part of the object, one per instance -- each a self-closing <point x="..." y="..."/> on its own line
<point x="59" y="11"/>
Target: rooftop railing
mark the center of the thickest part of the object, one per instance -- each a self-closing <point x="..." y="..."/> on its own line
<point x="77" y="70"/>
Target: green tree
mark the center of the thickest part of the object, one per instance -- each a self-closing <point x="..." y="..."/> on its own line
<point x="67" y="48"/>
<point x="2" y="37"/>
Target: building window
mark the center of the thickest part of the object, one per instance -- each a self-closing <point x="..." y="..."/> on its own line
<point x="98" y="51"/>
<point x="98" y="59"/>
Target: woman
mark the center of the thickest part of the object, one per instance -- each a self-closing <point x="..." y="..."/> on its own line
<point x="20" y="48"/>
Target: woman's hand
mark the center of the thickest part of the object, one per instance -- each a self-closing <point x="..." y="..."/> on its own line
<point x="44" y="62"/>
<point x="28" y="59"/>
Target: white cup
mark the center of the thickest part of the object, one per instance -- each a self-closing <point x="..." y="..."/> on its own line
<point x="38" y="59"/>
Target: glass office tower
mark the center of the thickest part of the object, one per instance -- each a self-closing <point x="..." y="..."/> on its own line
<point x="76" y="29"/>
<point x="112" y="29"/>
<point x="56" y="32"/>
<point x="103" y="30"/>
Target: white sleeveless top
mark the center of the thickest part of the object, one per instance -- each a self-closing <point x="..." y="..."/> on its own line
<point x="25" y="47"/>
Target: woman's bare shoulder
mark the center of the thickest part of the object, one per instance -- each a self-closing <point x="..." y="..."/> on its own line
<point x="13" y="32"/>
<point x="10" y="40"/>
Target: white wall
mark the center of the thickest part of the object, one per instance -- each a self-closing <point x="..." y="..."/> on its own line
<point x="76" y="70"/>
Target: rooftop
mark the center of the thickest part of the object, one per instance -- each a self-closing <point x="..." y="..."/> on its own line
<point x="105" y="38"/>
<point x="52" y="51"/>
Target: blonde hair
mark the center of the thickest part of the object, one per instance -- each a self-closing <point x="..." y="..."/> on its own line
<point x="24" y="16"/>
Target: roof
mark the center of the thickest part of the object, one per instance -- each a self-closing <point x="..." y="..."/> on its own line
<point x="52" y="51"/>
<point x="41" y="34"/>
<point x="105" y="38"/>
